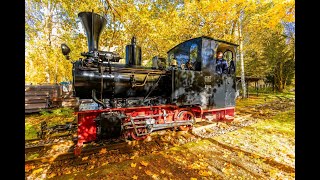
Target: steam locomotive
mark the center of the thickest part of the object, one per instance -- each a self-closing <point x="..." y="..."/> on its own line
<point x="130" y="100"/>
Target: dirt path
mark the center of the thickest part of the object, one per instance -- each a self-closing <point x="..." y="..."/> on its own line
<point x="263" y="150"/>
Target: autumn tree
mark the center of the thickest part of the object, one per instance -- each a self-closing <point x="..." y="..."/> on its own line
<point x="280" y="57"/>
<point x="44" y="24"/>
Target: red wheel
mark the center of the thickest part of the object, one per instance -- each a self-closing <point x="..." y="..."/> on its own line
<point x="140" y="131"/>
<point x="185" y="116"/>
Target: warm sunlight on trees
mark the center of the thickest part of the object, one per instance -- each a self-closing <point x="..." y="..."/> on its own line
<point x="158" y="25"/>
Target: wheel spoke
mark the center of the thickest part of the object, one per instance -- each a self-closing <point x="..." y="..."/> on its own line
<point x="186" y="116"/>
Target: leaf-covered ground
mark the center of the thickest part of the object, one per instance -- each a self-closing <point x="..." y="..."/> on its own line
<point x="263" y="150"/>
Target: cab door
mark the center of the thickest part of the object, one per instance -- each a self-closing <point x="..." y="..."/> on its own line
<point x="230" y="79"/>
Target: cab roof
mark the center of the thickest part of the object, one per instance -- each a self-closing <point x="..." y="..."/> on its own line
<point x="206" y="37"/>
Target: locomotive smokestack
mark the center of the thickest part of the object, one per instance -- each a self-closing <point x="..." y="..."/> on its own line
<point x="93" y="25"/>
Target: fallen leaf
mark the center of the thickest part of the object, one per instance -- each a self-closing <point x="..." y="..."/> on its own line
<point x="28" y="168"/>
<point x="154" y="152"/>
<point x="132" y="157"/>
<point x="225" y="171"/>
<point x="50" y="160"/>
<point x="240" y="154"/>
<point x="227" y="165"/>
<point x="162" y="171"/>
<point x="37" y="171"/>
<point x="273" y="173"/>
<point x="143" y="163"/>
<point x="105" y="163"/>
<point x="52" y="175"/>
<point x="133" y="164"/>
<point x="256" y="156"/>
<point x="134" y="177"/>
<point x="205" y="173"/>
<point x="155" y="176"/>
<point x="193" y="178"/>
<point x="194" y="166"/>
<point x="103" y="151"/>
<point x="84" y="158"/>
<point x="148" y="172"/>
<point x="290" y="155"/>
<point x="140" y="167"/>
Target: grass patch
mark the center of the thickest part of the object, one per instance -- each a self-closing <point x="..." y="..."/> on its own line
<point x="269" y="90"/>
<point x="51" y="117"/>
<point x="254" y="100"/>
<point x="261" y="99"/>
<point x="283" y="123"/>
<point x="67" y="112"/>
<point x="30" y="131"/>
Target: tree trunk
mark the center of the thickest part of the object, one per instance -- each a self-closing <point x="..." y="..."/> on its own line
<point x="48" y="27"/>
<point x="281" y="77"/>
<point x="243" y="83"/>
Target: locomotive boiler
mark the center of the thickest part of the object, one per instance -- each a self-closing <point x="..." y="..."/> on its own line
<point x="130" y="100"/>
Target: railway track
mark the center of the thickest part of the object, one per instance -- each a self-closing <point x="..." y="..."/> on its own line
<point x="53" y="139"/>
<point x="70" y="154"/>
<point x="40" y="147"/>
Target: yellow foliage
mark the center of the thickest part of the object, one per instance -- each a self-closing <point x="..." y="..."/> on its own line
<point x="157" y="28"/>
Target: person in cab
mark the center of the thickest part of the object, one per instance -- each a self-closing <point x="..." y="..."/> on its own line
<point x="221" y="64"/>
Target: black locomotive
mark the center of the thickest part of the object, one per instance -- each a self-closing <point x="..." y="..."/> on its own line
<point x="130" y="100"/>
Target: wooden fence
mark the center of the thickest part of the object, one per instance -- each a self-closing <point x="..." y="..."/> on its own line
<point x="48" y="96"/>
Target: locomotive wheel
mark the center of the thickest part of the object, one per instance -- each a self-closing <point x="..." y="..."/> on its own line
<point x="136" y="137"/>
<point x="185" y="116"/>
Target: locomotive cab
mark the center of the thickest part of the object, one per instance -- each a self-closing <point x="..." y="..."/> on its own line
<point x="196" y="80"/>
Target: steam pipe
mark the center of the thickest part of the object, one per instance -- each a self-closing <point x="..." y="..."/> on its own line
<point x="94" y="97"/>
